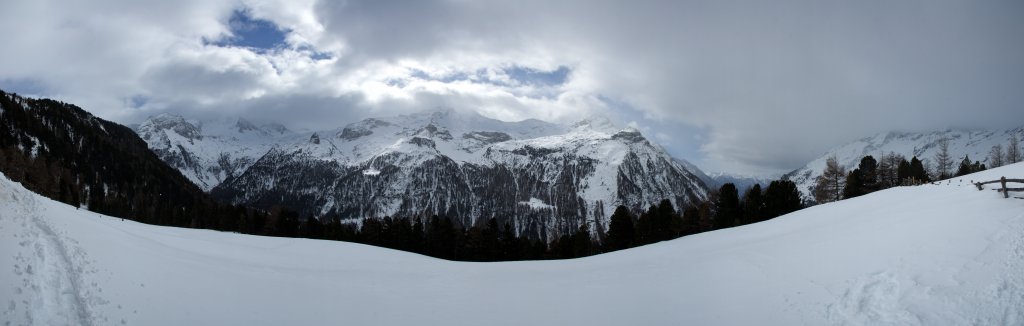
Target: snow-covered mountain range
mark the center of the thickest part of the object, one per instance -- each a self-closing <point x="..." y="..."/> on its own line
<point x="208" y="152"/>
<point x="973" y="143"/>
<point x="545" y="179"/>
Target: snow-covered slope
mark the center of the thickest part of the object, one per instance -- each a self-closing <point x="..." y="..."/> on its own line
<point x="943" y="254"/>
<point x="207" y="152"/>
<point x="469" y="167"/>
<point x="974" y="143"/>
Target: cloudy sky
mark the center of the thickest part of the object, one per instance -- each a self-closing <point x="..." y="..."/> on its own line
<point x="747" y="87"/>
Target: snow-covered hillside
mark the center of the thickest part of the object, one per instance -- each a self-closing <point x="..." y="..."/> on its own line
<point x="944" y="254"/>
<point x="974" y="143"/>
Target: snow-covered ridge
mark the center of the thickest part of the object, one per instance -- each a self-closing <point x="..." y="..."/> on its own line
<point x="973" y="143"/>
<point x="208" y="152"/>
<point x="902" y="256"/>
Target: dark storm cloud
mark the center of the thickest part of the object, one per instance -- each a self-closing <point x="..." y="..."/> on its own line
<point x="746" y="86"/>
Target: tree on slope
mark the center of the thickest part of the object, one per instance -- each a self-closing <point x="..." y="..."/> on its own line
<point x="753" y="205"/>
<point x="727" y="208"/>
<point x="918" y="173"/>
<point x="1013" y="151"/>
<point x="888" y="170"/>
<point x="943" y="160"/>
<point x="853" y="187"/>
<point x="966" y="167"/>
<point x="620" y="230"/>
<point x="829" y="185"/>
<point x="995" y="156"/>
<point x="781" y="197"/>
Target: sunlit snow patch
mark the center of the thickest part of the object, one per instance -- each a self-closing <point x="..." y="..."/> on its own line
<point x="536" y="204"/>
<point x="371" y="171"/>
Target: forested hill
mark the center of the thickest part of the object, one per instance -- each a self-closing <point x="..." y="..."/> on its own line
<point x="63" y="152"/>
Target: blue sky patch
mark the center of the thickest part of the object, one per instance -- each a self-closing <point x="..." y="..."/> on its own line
<point x="522" y="75"/>
<point x="253" y="33"/>
<point x="23" y="86"/>
<point x="530" y="76"/>
<point x="136" y="101"/>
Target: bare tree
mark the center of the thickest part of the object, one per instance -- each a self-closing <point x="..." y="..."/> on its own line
<point x="829" y="185"/>
<point x="995" y="156"/>
<point x="1013" y="151"/>
<point x="888" y="169"/>
<point x="943" y="160"/>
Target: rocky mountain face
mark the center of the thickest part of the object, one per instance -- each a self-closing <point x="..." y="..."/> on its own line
<point x="973" y="143"/>
<point x="208" y="152"/>
<point x="544" y="179"/>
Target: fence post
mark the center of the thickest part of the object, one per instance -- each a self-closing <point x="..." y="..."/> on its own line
<point x="1006" y="194"/>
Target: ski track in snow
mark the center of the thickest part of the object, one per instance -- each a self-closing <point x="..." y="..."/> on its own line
<point x="52" y="289"/>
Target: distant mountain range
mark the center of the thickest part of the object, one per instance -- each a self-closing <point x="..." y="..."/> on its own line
<point x="973" y="143"/>
<point x="545" y="179"/>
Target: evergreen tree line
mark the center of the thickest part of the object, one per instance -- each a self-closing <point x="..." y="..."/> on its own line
<point x="441" y="237"/>
<point x="892" y="170"/>
<point x="724" y="208"/>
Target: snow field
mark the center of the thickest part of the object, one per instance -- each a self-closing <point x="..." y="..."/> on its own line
<point x="944" y="254"/>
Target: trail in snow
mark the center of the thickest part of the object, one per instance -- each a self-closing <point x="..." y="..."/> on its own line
<point x="51" y="289"/>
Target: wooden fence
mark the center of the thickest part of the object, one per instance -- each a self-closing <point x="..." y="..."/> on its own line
<point x="1002" y="182"/>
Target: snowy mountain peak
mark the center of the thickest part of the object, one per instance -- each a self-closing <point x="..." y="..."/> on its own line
<point x="595" y="123"/>
<point x="246" y="126"/>
<point x="209" y="151"/>
<point x="169" y="122"/>
<point x="362" y="128"/>
<point x="629" y="134"/>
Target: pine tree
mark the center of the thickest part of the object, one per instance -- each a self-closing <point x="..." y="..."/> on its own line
<point x="868" y="176"/>
<point x="903" y="172"/>
<point x="781" y="197"/>
<point x="620" y="230"/>
<point x="418" y="235"/>
<point x="690" y="221"/>
<point x="312" y="228"/>
<point x="644" y="228"/>
<point x="753" y="205"/>
<point x="918" y="173"/>
<point x="727" y="207"/>
<point x="664" y="221"/>
<point x="853" y="187"/>
<point x="829" y="185"/>
<point x="582" y="244"/>
<point x="510" y="244"/>
<point x="965" y="167"/>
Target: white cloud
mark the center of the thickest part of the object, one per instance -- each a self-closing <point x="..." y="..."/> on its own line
<point x="761" y="86"/>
